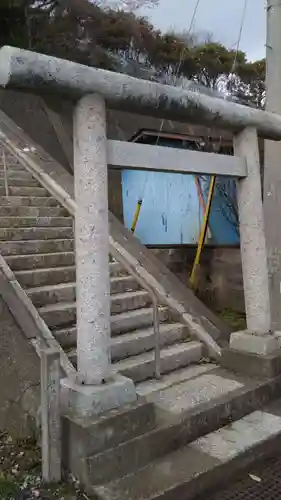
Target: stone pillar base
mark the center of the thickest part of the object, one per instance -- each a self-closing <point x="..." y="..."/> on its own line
<point x="253" y="354"/>
<point x="255" y="343"/>
<point x="86" y="400"/>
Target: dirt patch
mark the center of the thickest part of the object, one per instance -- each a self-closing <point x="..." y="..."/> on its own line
<point x="20" y="474"/>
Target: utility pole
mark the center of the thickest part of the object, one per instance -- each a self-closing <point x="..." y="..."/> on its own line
<point x="272" y="161"/>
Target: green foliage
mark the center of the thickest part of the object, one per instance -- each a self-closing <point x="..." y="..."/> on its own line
<point x="213" y="60"/>
<point x="84" y="32"/>
<point x="8" y="488"/>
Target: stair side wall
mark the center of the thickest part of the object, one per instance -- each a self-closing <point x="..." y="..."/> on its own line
<point x="19" y="378"/>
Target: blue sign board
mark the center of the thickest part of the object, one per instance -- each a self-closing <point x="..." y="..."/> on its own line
<point x="171" y="211"/>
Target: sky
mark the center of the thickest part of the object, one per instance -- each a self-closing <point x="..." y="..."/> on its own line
<point x="222" y="18"/>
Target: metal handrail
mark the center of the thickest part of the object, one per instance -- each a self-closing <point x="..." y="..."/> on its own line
<point x="5" y="174"/>
<point x="156" y="325"/>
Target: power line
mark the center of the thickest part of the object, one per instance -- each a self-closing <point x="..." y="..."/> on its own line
<point x="239" y="36"/>
<point x="189" y="31"/>
<point x="231" y="76"/>
<point x="184" y="48"/>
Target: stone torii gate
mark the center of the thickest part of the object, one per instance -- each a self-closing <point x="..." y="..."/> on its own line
<point x="96" y="388"/>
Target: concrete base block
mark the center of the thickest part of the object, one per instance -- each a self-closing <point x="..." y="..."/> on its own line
<point x="252" y="365"/>
<point x="255" y="343"/>
<point x="277" y="335"/>
<point x="86" y="400"/>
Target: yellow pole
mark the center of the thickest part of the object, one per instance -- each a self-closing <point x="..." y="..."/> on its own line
<point x="136" y="216"/>
<point x="203" y="232"/>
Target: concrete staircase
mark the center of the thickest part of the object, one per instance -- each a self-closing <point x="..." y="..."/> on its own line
<point x="188" y="431"/>
<point x="36" y="240"/>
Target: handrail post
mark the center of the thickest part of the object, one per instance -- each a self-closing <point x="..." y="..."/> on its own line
<point x="50" y="415"/>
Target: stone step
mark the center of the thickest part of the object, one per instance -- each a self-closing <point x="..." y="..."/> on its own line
<point x="25" y="211"/>
<point x="16" y="174"/>
<point x="10" y="159"/>
<point x="12" y="166"/>
<point x="48" y="276"/>
<point x="130" y="344"/>
<point x="129" y="301"/>
<point x="53" y="293"/>
<point x="19" y="182"/>
<point x="64" y="315"/>
<point x="30" y="201"/>
<point x="149" y="388"/>
<point x="117" y="269"/>
<point x="24" y="191"/>
<point x="7" y="222"/>
<point x="205" y="463"/>
<point x="36" y="246"/>
<point x="12" y="162"/>
<point x="67" y="338"/>
<point x="13" y="170"/>
<point x="201" y="405"/>
<point x="97" y="434"/>
<point x="66" y="292"/>
<point x="142" y="367"/>
<point x="121" y="284"/>
<point x="39" y="261"/>
<point x="35" y="233"/>
<point x="59" y="315"/>
<point x="134" y="320"/>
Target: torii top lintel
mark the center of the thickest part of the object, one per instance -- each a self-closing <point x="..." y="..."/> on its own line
<point x="30" y="71"/>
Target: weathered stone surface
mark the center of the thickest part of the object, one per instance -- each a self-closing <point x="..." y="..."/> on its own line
<point x="255" y="343"/>
<point x="83" y="437"/>
<point x="36" y="221"/>
<point x="47" y="276"/>
<point x="50" y="415"/>
<point x="208" y="461"/>
<point x="23" y="191"/>
<point x="30" y="211"/>
<point x="251" y="364"/>
<point x="30" y="201"/>
<point x="228" y="442"/>
<point x="20" y="366"/>
<point x="252" y="235"/>
<point x="173" y="357"/>
<point x="91" y="239"/>
<point x="148" y="387"/>
<point x="87" y="400"/>
<point x="39" y="261"/>
<point x="187" y="395"/>
<point x="35" y="233"/>
<point x="22" y="69"/>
